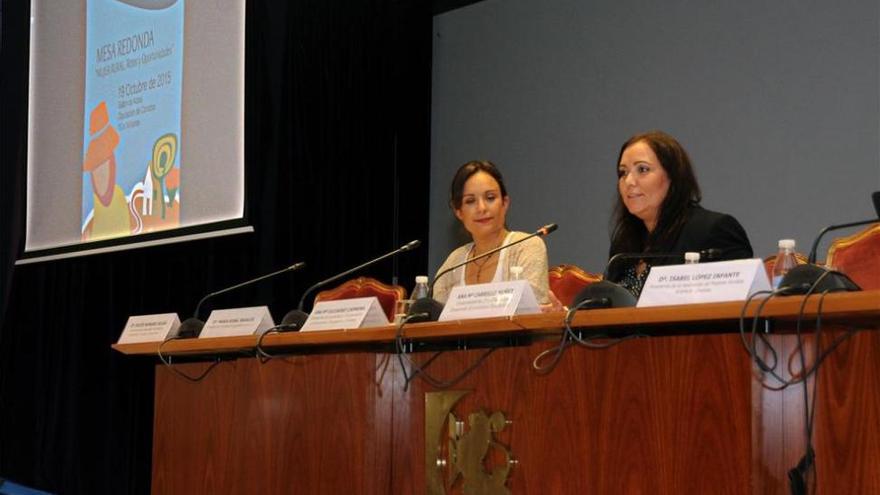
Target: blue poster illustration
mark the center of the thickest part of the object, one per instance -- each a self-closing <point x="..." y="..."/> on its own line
<point x="131" y="129"/>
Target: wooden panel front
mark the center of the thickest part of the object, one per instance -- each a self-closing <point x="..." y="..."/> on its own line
<point x="846" y="431"/>
<point x="312" y="424"/>
<point x="665" y="414"/>
<point x="659" y="415"/>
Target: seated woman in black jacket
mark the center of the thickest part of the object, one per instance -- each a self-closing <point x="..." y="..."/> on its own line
<point x="658" y="211"/>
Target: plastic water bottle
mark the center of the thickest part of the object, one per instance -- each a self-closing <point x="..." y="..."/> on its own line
<point x="420" y="291"/>
<point x="516" y="273"/>
<point x="691" y="258"/>
<point x="785" y="261"/>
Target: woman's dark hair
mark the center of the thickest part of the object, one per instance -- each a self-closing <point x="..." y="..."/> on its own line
<point x="465" y="172"/>
<point x="628" y="232"/>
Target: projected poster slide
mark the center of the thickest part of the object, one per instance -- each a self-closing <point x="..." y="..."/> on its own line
<point x="131" y="129"/>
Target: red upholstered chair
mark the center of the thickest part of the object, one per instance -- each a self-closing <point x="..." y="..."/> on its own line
<point x="388" y="295"/>
<point x="858" y="256"/>
<point x="567" y="281"/>
<point x="770" y="262"/>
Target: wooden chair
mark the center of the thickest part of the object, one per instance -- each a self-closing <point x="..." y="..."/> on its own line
<point x="858" y="256"/>
<point x="567" y="281"/>
<point x="388" y="295"/>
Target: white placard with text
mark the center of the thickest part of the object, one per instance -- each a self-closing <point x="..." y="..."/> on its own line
<point x="149" y="328"/>
<point x="703" y="283"/>
<point x="345" y="314"/>
<point x="490" y="300"/>
<point x="239" y="321"/>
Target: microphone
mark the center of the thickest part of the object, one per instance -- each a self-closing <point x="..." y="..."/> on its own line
<point x="192" y="327"/>
<point x="607" y="294"/>
<point x="547" y="229"/>
<point x="799" y="279"/>
<point x="432" y="308"/>
<point x="710" y="254"/>
<point x="294" y="319"/>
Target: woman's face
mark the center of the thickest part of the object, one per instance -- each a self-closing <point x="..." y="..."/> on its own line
<point x="483" y="210"/>
<point x="642" y="183"/>
<point x="103" y="180"/>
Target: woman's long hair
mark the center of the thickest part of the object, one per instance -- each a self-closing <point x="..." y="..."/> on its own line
<point x="628" y="232"/>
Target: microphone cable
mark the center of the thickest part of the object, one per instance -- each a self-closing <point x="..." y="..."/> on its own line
<point x="176" y="371"/>
<point x="752" y="350"/>
<point x="261" y="353"/>
<point x="609" y="341"/>
<point x="570" y="337"/>
<point x="798" y="476"/>
<point x="418" y="370"/>
<point x="558" y="350"/>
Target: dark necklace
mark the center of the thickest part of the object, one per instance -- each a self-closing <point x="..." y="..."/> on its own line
<point x="480" y="263"/>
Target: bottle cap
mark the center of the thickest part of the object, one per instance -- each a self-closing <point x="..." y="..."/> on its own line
<point x="691" y="257"/>
<point x="421" y="279"/>
<point x="786" y="244"/>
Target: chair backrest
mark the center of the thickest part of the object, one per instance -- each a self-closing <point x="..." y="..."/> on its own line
<point x="388" y="295"/>
<point x="567" y="281"/>
<point x="770" y="262"/>
<point x="858" y="256"/>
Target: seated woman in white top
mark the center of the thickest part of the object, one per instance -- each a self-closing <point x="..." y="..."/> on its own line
<point x="480" y="201"/>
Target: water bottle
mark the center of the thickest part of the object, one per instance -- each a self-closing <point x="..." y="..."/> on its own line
<point x="785" y="261"/>
<point x="516" y="273"/>
<point x="691" y="258"/>
<point x="420" y="291"/>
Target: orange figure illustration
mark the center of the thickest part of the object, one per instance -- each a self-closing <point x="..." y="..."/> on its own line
<point x="110" y="214"/>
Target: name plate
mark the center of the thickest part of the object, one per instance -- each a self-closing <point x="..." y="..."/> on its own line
<point x="490" y="300"/>
<point x="703" y="283"/>
<point x="239" y="321"/>
<point x="149" y="328"/>
<point x="346" y="314"/>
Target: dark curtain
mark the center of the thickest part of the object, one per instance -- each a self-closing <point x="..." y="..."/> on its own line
<point x="337" y="170"/>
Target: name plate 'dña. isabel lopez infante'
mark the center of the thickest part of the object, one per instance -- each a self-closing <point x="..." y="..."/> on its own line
<point x="703" y="283"/>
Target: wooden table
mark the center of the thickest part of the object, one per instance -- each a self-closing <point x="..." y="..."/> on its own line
<point x="679" y="411"/>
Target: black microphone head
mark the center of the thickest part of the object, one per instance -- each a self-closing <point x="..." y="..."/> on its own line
<point x="711" y="254"/>
<point x="430" y="308"/>
<point x="604" y="294"/>
<point x="293" y="320"/>
<point x="799" y="279"/>
<point x="550" y="227"/>
<point x="409" y="246"/>
<point x="190" y="328"/>
<point x="875" y="196"/>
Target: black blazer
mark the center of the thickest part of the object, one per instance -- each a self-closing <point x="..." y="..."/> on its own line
<point x="704" y="229"/>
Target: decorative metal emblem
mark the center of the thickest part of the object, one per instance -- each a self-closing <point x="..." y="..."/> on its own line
<point x="460" y="450"/>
